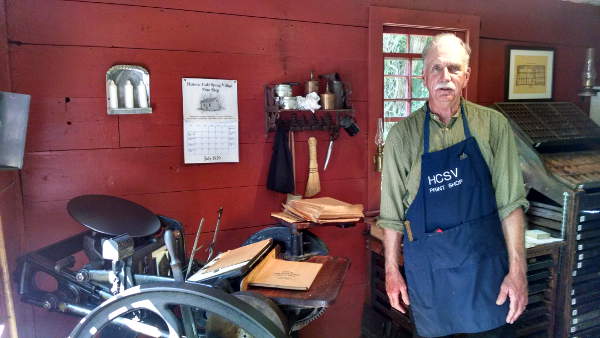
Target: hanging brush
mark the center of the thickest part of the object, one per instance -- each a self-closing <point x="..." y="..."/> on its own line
<point x="313" y="186"/>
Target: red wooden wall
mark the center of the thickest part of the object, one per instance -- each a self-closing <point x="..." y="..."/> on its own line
<point x="59" y="52"/>
<point x="11" y="206"/>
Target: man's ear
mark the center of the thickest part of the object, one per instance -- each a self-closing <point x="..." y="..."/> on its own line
<point x="467" y="75"/>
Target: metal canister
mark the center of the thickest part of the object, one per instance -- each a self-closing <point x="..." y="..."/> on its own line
<point x="283" y="90"/>
<point x="328" y="99"/>
<point x="312" y="85"/>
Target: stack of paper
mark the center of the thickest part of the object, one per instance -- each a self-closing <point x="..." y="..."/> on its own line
<point x="538" y="237"/>
<point x="278" y="273"/>
<point x="323" y="210"/>
<point x="537" y="234"/>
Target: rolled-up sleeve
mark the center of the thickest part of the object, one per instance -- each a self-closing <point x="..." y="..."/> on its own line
<point x="393" y="185"/>
<point x="507" y="176"/>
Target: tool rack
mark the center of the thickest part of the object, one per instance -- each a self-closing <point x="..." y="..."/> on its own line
<point x="301" y="120"/>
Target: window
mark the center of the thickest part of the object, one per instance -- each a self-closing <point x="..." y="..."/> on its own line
<point x="403" y="87"/>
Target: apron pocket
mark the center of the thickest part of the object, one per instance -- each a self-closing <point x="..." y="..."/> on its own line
<point x="466" y="243"/>
<point x="449" y="249"/>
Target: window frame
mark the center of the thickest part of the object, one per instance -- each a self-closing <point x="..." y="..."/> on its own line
<point x="408" y="31"/>
<point x="410" y="57"/>
<point x="380" y="17"/>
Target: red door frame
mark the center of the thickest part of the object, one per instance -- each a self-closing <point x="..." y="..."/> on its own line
<point x="383" y="16"/>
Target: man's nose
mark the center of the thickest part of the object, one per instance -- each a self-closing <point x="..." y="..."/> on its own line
<point x="445" y="74"/>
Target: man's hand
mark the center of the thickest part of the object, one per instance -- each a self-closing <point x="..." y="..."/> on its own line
<point x="514" y="287"/>
<point x="395" y="287"/>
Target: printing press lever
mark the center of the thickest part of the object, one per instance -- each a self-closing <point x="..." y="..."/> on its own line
<point x="211" y="248"/>
<point x="195" y="249"/>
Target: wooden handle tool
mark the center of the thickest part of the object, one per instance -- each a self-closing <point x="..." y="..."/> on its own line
<point x="313" y="186"/>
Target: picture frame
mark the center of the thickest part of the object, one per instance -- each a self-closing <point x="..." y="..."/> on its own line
<point x="529" y="73"/>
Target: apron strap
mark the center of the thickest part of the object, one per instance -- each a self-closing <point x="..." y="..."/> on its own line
<point x="464" y="120"/>
<point x="428" y="118"/>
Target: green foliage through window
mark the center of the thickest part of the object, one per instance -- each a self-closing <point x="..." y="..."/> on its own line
<point x="404" y="90"/>
<point x="394" y="43"/>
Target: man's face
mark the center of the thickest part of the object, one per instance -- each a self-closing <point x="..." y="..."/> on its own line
<point x="446" y="73"/>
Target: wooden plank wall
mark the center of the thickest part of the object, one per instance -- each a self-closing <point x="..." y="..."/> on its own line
<point x="11" y="208"/>
<point x="60" y="50"/>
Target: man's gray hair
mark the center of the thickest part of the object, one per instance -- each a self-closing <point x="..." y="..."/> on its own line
<point x="447" y="37"/>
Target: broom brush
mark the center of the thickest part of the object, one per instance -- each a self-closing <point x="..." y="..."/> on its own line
<point x="313" y="186"/>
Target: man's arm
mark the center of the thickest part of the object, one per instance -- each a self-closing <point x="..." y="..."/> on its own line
<point x="514" y="285"/>
<point x="395" y="285"/>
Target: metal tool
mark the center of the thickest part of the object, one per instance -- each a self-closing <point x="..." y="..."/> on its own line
<point x="332" y="137"/>
<point x="194" y="249"/>
<point x="211" y="248"/>
<point x="175" y="263"/>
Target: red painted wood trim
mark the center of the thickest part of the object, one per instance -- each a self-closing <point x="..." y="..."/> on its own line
<point x="5" y="84"/>
<point x="380" y="17"/>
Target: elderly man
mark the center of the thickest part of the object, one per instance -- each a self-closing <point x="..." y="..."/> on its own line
<point x="453" y="192"/>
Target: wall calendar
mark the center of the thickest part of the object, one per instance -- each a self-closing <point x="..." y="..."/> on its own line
<point x="210" y="120"/>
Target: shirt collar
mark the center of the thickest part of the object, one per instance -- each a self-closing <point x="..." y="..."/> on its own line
<point x="453" y="118"/>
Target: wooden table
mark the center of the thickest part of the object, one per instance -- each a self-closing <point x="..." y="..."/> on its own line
<point x="323" y="291"/>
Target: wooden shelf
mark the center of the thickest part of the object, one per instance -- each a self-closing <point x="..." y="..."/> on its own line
<point x="299" y="119"/>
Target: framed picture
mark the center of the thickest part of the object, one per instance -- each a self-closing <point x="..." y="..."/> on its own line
<point x="530" y="73"/>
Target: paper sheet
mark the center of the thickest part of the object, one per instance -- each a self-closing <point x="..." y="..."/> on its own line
<point x="210" y="120"/>
<point x="278" y="273"/>
<point x="531" y="242"/>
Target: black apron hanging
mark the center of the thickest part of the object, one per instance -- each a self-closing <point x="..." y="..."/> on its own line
<point x="281" y="177"/>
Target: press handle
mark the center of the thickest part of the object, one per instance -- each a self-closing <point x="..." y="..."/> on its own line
<point x="174" y="261"/>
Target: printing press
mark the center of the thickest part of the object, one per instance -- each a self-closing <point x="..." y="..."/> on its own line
<point x="135" y="279"/>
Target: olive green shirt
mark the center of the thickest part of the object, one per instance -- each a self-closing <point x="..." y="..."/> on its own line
<point x="404" y="147"/>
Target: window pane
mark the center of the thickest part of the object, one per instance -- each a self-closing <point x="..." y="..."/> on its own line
<point x="395" y="87"/>
<point x="394" y="109"/>
<point x="414" y="105"/>
<point x="394" y="66"/>
<point x="418" y="42"/>
<point x="417" y="67"/>
<point x="418" y="88"/>
<point x="394" y="43"/>
<point x="386" y="128"/>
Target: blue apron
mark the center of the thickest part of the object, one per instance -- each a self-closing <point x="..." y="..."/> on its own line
<point x="457" y="259"/>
